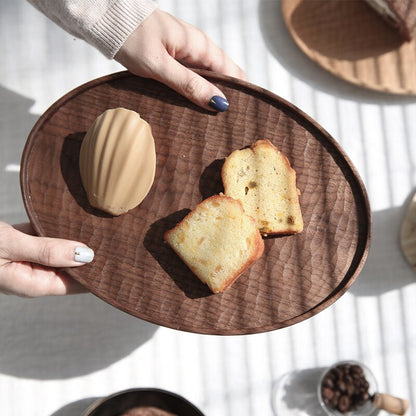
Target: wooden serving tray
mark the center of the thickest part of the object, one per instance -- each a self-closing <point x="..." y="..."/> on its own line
<point x="350" y="40"/>
<point x="134" y="270"/>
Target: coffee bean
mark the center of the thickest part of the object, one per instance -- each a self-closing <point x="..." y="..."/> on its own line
<point x="344" y="404"/>
<point x="342" y="386"/>
<point x="336" y="372"/>
<point x="327" y="394"/>
<point x="335" y="399"/>
<point x="328" y="382"/>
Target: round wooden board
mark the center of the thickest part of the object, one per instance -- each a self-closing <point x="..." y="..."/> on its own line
<point x="408" y="233"/>
<point x="135" y="271"/>
<point x="351" y="41"/>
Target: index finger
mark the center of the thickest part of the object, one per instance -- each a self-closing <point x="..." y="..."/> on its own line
<point x="194" y="48"/>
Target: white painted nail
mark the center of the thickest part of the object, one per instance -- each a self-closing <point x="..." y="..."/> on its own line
<point x="83" y="255"/>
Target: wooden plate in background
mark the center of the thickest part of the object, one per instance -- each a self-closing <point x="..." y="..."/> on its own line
<point x="350" y="40"/>
<point x="134" y="270"/>
<point x="408" y="233"/>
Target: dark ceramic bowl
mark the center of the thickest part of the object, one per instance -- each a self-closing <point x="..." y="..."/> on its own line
<point x="121" y="402"/>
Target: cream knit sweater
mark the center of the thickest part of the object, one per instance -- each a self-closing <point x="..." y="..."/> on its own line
<point x="105" y="24"/>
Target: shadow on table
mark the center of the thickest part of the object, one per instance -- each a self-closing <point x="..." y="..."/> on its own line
<point x="386" y="268"/>
<point x="76" y="408"/>
<point x="281" y="45"/>
<point x="62" y="337"/>
<point x="296" y="393"/>
<point x="16" y="123"/>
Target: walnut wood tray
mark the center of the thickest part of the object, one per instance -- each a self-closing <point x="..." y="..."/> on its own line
<point x="135" y="271"/>
<point x="351" y="41"/>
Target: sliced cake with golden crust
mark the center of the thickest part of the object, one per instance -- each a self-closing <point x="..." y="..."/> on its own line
<point x="261" y="178"/>
<point x="218" y="241"/>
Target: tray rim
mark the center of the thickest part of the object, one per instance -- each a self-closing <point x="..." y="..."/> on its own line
<point x="290" y="109"/>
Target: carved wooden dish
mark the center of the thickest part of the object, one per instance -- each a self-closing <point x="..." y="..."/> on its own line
<point x="351" y="41"/>
<point x="135" y="271"/>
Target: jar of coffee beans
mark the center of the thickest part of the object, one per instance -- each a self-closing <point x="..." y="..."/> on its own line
<point x="347" y="388"/>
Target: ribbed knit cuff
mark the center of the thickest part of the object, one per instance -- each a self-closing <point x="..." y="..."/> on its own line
<point x="111" y="31"/>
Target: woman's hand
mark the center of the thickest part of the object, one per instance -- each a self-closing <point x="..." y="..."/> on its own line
<point x="163" y="47"/>
<point x="27" y="263"/>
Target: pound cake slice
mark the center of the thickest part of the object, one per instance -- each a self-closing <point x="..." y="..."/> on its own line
<point x="261" y="178"/>
<point x="218" y="241"/>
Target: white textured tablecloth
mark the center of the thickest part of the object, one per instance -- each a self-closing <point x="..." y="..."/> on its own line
<point x="58" y="354"/>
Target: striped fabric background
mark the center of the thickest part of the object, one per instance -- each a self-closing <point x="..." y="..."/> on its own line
<point x="58" y="354"/>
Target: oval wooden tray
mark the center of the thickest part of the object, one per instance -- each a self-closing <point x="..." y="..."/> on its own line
<point x="135" y="271"/>
<point x="351" y="41"/>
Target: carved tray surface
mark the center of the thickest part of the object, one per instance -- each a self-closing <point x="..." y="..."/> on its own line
<point x="134" y="270"/>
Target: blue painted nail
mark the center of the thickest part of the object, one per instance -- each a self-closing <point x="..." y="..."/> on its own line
<point x="218" y="103"/>
<point x="83" y="255"/>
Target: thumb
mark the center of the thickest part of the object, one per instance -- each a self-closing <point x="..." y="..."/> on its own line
<point x="191" y="85"/>
<point x="53" y="252"/>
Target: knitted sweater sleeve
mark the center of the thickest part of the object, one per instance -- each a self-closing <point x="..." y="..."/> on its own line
<point x="105" y="24"/>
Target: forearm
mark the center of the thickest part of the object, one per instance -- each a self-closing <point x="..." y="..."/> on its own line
<point x="105" y="24"/>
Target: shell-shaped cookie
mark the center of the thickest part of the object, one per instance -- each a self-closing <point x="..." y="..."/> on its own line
<point x="117" y="161"/>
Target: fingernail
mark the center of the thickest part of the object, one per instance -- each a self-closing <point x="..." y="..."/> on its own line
<point x="218" y="103"/>
<point x="84" y="255"/>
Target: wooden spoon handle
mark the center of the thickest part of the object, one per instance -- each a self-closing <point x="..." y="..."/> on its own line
<point x="390" y="404"/>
